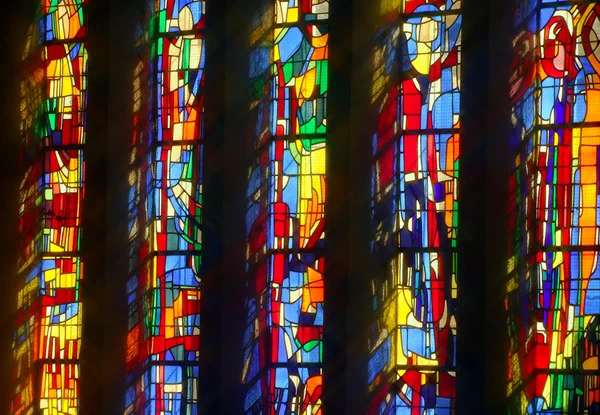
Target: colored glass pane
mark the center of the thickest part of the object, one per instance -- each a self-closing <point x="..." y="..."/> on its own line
<point x="553" y="291"/>
<point x="180" y="15"/>
<point x="63" y="19"/>
<point x="295" y="11"/>
<point x="416" y="147"/>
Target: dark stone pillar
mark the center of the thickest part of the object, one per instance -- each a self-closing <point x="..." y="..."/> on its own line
<point x="496" y="220"/>
<point x="236" y="161"/>
<point x="337" y="209"/>
<point x="471" y="318"/>
<point x="213" y="276"/>
<point x="93" y="242"/>
<point x="121" y="35"/>
<point x="358" y="211"/>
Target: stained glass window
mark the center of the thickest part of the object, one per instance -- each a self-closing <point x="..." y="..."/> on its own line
<point x="285" y="212"/>
<point x="416" y="146"/>
<point x="553" y="273"/>
<point x="47" y="340"/>
<point x="165" y="211"/>
<point x="553" y="291"/>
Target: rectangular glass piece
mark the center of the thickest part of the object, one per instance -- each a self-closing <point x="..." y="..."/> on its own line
<point x="63" y="195"/>
<point x="173" y="301"/>
<point x="60" y="389"/>
<point x="164" y="312"/>
<point x="566" y="393"/>
<point x="289" y="323"/>
<point x="416" y="306"/>
<point x="174" y="198"/>
<point x="51" y="204"/>
<point x="431" y="50"/>
<point x="297" y="388"/>
<point x="421" y="392"/>
<point x="300" y="80"/>
<point x="296" y="194"/>
<point x="60" y="299"/>
<point x="180" y="88"/>
<point x="427" y="6"/>
<point x="49" y="320"/>
<point x="24" y="400"/>
<point x="66" y="94"/>
<point x="566" y="193"/>
<point x="419" y="207"/>
<point x="164" y="389"/>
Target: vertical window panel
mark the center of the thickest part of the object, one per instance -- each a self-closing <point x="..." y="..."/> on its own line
<point x="553" y="290"/>
<point x="47" y="340"/>
<point x="416" y="147"/>
<point x="286" y="208"/>
<point x="165" y="212"/>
